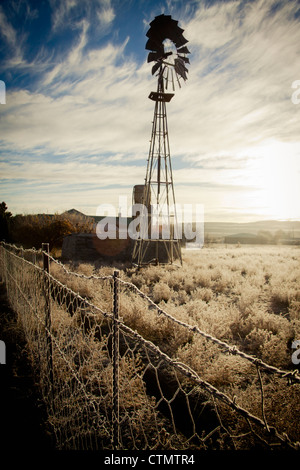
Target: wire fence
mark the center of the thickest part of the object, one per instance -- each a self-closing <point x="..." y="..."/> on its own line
<point x="107" y="387"/>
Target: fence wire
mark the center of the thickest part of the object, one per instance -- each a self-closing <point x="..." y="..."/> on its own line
<point x="108" y="387"/>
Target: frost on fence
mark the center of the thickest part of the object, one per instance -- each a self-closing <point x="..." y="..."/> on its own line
<point x="169" y="411"/>
<point x="152" y="401"/>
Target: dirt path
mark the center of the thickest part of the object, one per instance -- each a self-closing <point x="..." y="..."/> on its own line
<point x="22" y="415"/>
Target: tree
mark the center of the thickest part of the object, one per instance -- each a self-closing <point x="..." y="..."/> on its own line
<point x="56" y="230"/>
<point x="33" y="230"/>
<point x="5" y="218"/>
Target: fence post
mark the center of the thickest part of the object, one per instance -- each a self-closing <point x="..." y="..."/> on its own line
<point x="47" y="293"/>
<point x="115" y="361"/>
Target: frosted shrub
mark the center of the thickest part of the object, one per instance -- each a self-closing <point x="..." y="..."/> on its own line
<point x="274" y="351"/>
<point x="138" y="280"/>
<point x="248" y="297"/>
<point x="86" y="269"/>
<point x="227" y="371"/>
<point x="181" y="297"/>
<point x="200" y="354"/>
<point x="275" y="324"/>
<point x="161" y="292"/>
<point x="79" y="285"/>
<point x="133" y="310"/>
<point x="256" y="339"/>
<point x="202" y="293"/>
<point x="176" y="281"/>
<point x="152" y="274"/>
<point x="294" y="310"/>
<point x="223" y="283"/>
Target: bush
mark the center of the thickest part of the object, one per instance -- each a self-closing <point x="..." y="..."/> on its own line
<point x="161" y="292"/>
<point x="33" y="230"/>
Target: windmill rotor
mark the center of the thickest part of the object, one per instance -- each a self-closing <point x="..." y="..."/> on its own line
<point x="169" y="64"/>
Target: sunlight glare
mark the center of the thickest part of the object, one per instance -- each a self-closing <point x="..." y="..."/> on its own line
<point x="275" y="173"/>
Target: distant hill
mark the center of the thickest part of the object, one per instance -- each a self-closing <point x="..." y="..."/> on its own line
<point x="74" y="212"/>
<point x="292" y="228"/>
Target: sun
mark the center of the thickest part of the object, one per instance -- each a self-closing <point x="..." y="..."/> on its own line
<point x="274" y="173"/>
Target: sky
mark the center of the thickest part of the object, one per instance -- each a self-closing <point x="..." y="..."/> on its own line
<point x="75" y="118"/>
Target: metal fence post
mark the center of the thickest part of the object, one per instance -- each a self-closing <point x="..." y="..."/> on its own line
<point x="115" y="361"/>
<point x="47" y="293"/>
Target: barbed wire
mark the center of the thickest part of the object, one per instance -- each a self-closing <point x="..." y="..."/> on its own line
<point x="79" y="275"/>
<point x="293" y="375"/>
<point x="20" y="248"/>
<point x="84" y="302"/>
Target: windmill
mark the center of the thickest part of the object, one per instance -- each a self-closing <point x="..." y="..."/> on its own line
<point x="158" y="240"/>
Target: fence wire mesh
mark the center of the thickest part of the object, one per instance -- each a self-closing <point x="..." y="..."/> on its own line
<point x="107" y="386"/>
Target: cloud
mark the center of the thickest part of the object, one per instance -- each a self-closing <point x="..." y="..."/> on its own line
<point x="38" y="185"/>
<point x="69" y="13"/>
<point x="7" y="31"/>
<point x="79" y="171"/>
<point x="106" y="14"/>
<point x="238" y="91"/>
<point x="84" y="120"/>
<point x="239" y="82"/>
<point x="91" y="101"/>
<point x="63" y="12"/>
<point x="13" y="40"/>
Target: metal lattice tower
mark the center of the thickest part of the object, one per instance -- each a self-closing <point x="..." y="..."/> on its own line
<point x="159" y="240"/>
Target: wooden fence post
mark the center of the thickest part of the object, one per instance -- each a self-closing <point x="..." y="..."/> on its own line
<point x="47" y="293"/>
<point x="115" y="361"/>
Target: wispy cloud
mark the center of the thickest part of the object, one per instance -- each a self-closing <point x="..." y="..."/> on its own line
<point x="69" y="13"/>
<point x="100" y="173"/>
<point x="106" y="13"/>
<point x="239" y="89"/>
<point x="91" y="101"/>
<point x="12" y="40"/>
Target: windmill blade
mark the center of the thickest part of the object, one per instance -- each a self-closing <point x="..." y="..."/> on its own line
<point x="167" y="78"/>
<point x="170" y="78"/>
<point x="185" y="59"/>
<point x="158" y="55"/>
<point x="153" y="56"/>
<point x="161" y="28"/>
<point x="153" y="44"/>
<point x="178" y="81"/>
<point x="180" y="40"/>
<point x="156" y="67"/>
<point x="180" y="68"/>
<point x="183" y="50"/>
<point x="172" y="75"/>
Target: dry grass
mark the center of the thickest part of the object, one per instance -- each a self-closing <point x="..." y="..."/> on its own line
<point x="247" y="296"/>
